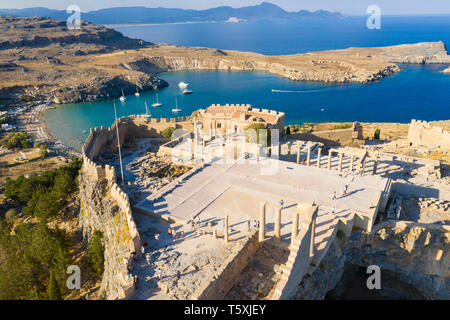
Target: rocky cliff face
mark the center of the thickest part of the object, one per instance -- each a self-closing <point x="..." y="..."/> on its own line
<point x="99" y="211"/>
<point x="419" y="254"/>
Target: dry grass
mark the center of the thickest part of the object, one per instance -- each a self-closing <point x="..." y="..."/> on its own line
<point x="28" y="168"/>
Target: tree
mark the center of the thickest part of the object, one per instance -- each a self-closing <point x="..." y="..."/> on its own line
<point x="288" y="130"/>
<point x="256" y="132"/>
<point x="376" y="135"/>
<point x="10" y="214"/>
<point x="96" y="253"/>
<point x="53" y="291"/>
<point x="167" y="132"/>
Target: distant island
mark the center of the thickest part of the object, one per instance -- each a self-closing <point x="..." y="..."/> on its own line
<point x="144" y="15"/>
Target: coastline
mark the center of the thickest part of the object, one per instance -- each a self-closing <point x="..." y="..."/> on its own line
<point x="124" y="25"/>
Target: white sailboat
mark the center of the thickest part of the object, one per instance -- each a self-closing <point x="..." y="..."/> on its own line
<point x="157" y="103"/>
<point x="176" y="107"/>
<point x="137" y="92"/>
<point x="147" y="114"/>
<point x="122" y="98"/>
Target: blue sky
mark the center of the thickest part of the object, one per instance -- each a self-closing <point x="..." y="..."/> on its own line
<point x="344" y="6"/>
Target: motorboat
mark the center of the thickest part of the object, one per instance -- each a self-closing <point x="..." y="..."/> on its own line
<point x="137" y="93"/>
<point x="122" y="98"/>
<point x="183" y="85"/>
<point x="187" y="91"/>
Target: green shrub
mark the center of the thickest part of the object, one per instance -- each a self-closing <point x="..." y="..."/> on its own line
<point x="376" y="135"/>
<point x="10" y="214"/>
<point x="167" y="133"/>
<point x="96" y="254"/>
<point x="19" y="140"/>
<point x="341" y="126"/>
<point x="261" y="132"/>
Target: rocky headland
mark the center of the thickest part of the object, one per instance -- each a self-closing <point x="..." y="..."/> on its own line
<point x="41" y="60"/>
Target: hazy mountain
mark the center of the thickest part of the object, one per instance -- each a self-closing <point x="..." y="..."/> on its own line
<point x="263" y="11"/>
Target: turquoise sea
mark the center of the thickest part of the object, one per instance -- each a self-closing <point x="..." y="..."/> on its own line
<point x="419" y="92"/>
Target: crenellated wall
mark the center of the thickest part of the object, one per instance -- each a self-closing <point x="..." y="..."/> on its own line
<point x="107" y="208"/>
<point x="422" y="133"/>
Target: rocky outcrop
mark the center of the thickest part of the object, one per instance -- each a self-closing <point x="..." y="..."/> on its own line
<point x="446" y="70"/>
<point x="105" y="207"/>
<point x="418" y="254"/>
<point x="40" y="32"/>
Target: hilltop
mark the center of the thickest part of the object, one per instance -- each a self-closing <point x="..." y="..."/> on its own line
<point x="135" y="15"/>
<point x="41" y="60"/>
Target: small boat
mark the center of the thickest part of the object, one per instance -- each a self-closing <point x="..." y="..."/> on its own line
<point x="322" y="110"/>
<point x="176" y="107"/>
<point x="84" y="131"/>
<point x="122" y="98"/>
<point x="147" y="114"/>
<point x="187" y="91"/>
<point x="157" y="103"/>
<point x="137" y="92"/>
<point x="183" y="85"/>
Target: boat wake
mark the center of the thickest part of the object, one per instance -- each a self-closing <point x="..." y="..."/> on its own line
<point x="295" y="91"/>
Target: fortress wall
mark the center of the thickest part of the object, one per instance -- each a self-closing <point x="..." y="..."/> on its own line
<point x="229" y="272"/>
<point x="331" y="137"/>
<point x="422" y="133"/>
<point x="299" y="260"/>
<point x="107" y="208"/>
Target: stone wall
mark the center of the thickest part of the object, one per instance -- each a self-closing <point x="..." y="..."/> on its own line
<point x="332" y="137"/>
<point x="105" y="207"/>
<point x="421" y="133"/>
<point x="417" y="253"/>
<point x="225" y="278"/>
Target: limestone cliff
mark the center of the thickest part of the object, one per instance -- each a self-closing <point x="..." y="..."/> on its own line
<point x="417" y="253"/>
<point x="100" y="211"/>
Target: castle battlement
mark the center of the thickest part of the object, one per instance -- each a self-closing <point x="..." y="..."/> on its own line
<point x="424" y="133"/>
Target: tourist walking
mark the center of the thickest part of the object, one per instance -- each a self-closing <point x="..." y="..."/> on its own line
<point x="248" y="225"/>
<point x="157" y="238"/>
<point x="334" y="196"/>
<point x="182" y="235"/>
<point x="281" y="203"/>
<point x="159" y="273"/>
<point x="147" y="257"/>
<point x="333" y="209"/>
<point x="169" y="232"/>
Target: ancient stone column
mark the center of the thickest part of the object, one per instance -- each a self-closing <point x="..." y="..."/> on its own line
<point x="262" y="221"/>
<point x="215" y="234"/>
<point x="225" y="232"/>
<point x="289" y="151"/>
<point x="295" y="224"/>
<point x="319" y="153"/>
<point x="352" y="161"/>
<point x="277" y="225"/>
<point x="363" y="166"/>
<point x="235" y="149"/>
<point x="341" y="155"/>
<point x="312" y="247"/>
<point x="330" y="154"/>
<point x="308" y="159"/>
<point x="195" y="131"/>
<point x="258" y="151"/>
<point x="298" y="153"/>
<point x="375" y="164"/>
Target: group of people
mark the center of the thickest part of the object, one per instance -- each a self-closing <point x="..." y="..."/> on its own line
<point x="175" y="235"/>
<point x="343" y="192"/>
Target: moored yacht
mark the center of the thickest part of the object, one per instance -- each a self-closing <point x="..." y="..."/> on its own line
<point x="157" y="103"/>
<point x="176" y="107"/>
